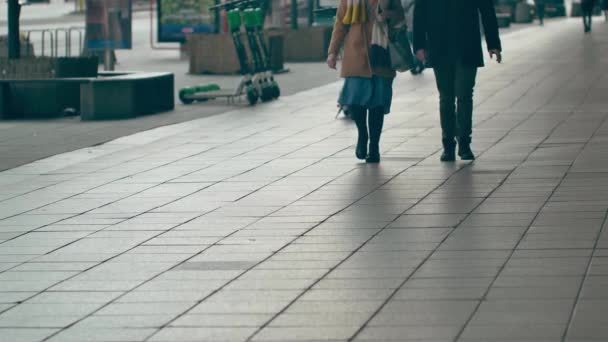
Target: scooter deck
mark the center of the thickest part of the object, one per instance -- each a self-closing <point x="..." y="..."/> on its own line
<point x="213" y="94"/>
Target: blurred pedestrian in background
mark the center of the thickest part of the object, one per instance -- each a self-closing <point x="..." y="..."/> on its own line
<point x="587" y="7"/>
<point x="605" y="9"/>
<point x="540" y="11"/>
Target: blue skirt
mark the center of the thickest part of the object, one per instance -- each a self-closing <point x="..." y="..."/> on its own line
<point x="367" y="92"/>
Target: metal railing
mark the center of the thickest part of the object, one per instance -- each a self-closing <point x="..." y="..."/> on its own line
<point x="44" y="42"/>
<point x="58" y="42"/>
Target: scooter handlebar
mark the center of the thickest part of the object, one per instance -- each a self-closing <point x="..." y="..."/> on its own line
<point x="233" y="4"/>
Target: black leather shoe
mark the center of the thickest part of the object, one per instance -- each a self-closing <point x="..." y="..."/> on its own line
<point x="448" y="156"/>
<point x="361" y="150"/>
<point x="449" y="150"/>
<point x="374" y="156"/>
<point x="376" y="122"/>
<point x="464" y="149"/>
<point x="359" y="115"/>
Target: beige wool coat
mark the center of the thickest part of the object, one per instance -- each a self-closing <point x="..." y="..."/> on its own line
<point x="355" y="40"/>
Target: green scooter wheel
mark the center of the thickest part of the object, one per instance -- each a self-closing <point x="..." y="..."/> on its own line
<point x="267" y="93"/>
<point x="252" y="96"/>
<point x="187" y="91"/>
<point x="185" y="100"/>
<point x="276" y="91"/>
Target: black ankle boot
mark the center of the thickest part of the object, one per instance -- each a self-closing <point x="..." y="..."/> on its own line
<point x="359" y="115"/>
<point x="361" y="150"/>
<point x="464" y="148"/>
<point x="374" y="155"/>
<point x="376" y="121"/>
<point x="449" y="150"/>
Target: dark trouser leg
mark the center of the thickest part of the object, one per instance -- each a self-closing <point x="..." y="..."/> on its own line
<point x="359" y="115"/>
<point x="540" y="9"/>
<point x="376" y="122"/>
<point x="587" y="14"/>
<point x="465" y="83"/>
<point x="585" y="19"/>
<point x="445" y="78"/>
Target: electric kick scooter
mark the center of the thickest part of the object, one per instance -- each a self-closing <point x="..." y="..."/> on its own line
<point x="246" y="86"/>
<point x="254" y="24"/>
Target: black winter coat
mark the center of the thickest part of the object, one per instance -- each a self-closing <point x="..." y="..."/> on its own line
<point x="587" y="5"/>
<point x="449" y="30"/>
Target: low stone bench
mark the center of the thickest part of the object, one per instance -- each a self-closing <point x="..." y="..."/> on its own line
<point x="113" y="95"/>
<point x="126" y="95"/>
<point x="39" y="98"/>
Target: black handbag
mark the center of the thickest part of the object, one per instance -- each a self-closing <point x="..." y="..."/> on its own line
<point x="379" y="57"/>
<point x="400" y="49"/>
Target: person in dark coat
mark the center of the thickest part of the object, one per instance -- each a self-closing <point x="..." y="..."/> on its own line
<point x="587" y="8"/>
<point x="605" y="9"/>
<point x="540" y="11"/>
<point x="447" y="34"/>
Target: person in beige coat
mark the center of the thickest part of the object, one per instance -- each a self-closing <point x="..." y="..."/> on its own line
<point x="365" y="67"/>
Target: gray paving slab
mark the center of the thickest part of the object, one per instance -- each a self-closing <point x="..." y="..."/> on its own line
<point x="259" y="224"/>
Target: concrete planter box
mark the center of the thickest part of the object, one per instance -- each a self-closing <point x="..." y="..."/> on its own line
<point x="40" y="99"/>
<point x="212" y="54"/>
<point x="30" y="93"/>
<point x="5" y="96"/>
<point x="46" y="67"/>
<point x="76" y="67"/>
<point x="308" y="44"/>
<point x="27" y="68"/>
<point x="215" y="53"/>
<point x="46" y="87"/>
<point x="131" y="94"/>
<point x="111" y="96"/>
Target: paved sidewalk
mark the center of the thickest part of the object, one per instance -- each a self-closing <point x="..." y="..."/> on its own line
<point x="259" y="225"/>
<point x="25" y="141"/>
<point x="33" y="12"/>
<point x="55" y="12"/>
